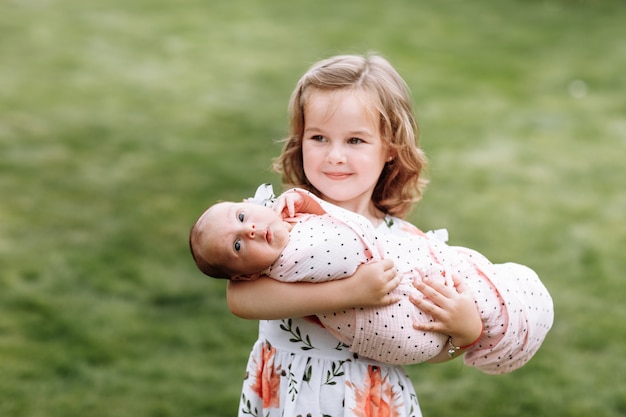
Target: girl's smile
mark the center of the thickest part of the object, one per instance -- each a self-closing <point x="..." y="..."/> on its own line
<point x="337" y="175"/>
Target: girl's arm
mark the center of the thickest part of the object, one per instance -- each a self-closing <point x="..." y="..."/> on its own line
<point x="268" y="299"/>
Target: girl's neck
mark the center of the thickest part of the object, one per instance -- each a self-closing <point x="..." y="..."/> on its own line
<point x="368" y="210"/>
<point x="376" y="218"/>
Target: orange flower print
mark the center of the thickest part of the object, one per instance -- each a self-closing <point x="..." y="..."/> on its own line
<point x="376" y="397"/>
<point x="267" y="383"/>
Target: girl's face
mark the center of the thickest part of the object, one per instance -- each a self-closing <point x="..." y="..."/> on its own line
<point x="342" y="150"/>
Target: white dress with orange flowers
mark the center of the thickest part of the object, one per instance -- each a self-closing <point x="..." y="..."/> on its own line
<point x="297" y="368"/>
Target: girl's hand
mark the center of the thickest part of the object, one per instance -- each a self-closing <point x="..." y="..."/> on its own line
<point x="453" y="309"/>
<point x="371" y="283"/>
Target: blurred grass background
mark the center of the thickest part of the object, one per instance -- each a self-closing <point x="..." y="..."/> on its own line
<point x="120" y="121"/>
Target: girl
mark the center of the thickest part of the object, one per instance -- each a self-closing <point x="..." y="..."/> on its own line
<point x="352" y="142"/>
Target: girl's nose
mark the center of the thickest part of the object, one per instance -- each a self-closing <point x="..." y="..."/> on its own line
<point x="336" y="155"/>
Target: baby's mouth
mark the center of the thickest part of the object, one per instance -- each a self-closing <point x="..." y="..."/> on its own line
<point x="268" y="235"/>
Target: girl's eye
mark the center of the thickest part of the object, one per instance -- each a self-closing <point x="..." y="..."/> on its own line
<point x="237" y="245"/>
<point x="318" y="138"/>
<point x="355" y="141"/>
<point x="241" y="216"/>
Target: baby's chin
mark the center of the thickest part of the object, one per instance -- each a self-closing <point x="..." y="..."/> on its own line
<point x="281" y="240"/>
<point x="246" y="277"/>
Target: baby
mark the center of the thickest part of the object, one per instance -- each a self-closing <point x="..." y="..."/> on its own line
<point x="303" y="238"/>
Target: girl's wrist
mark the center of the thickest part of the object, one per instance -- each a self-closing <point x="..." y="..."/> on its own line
<point x="454" y="348"/>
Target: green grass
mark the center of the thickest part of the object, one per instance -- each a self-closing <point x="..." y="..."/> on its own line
<point x="120" y="121"/>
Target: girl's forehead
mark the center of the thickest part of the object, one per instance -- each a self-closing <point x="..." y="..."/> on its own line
<point x="339" y="94"/>
<point x="330" y="100"/>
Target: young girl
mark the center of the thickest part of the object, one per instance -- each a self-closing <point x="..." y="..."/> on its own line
<point x="353" y="143"/>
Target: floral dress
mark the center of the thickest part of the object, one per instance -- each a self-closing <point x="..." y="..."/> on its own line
<point x="297" y="368"/>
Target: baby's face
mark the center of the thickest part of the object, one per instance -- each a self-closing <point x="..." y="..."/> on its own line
<point x="248" y="237"/>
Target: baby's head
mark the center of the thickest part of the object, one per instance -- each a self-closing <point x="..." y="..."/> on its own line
<point x="237" y="240"/>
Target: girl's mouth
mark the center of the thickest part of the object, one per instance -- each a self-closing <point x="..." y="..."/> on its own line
<point x="337" y="175"/>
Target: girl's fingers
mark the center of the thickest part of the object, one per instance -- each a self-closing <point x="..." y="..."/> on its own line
<point x="431" y="326"/>
<point x="435" y="291"/>
<point x="393" y="280"/>
<point x="426" y="305"/>
<point x="387" y="264"/>
<point x="451" y="307"/>
<point x="459" y="284"/>
<point x="390" y="299"/>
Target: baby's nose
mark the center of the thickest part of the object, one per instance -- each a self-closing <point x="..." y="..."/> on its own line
<point x="251" y="231"/>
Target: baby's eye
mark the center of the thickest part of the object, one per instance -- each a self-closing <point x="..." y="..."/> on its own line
<point x="241" y="216"/>
<point x="237" y="245"/>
